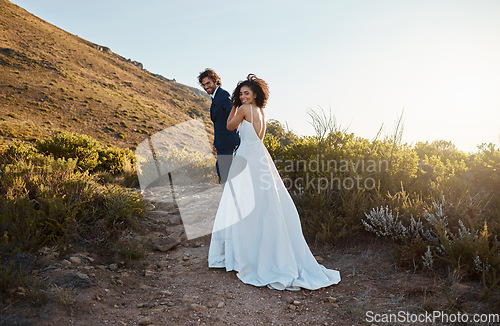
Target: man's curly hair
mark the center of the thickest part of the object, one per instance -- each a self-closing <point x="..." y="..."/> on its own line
<point x="211" y="74"/>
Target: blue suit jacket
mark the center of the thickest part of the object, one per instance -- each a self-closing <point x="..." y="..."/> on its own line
<point x="219" y="112"/>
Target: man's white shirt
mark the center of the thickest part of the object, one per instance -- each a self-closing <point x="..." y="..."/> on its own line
<point x="213" y="95"/>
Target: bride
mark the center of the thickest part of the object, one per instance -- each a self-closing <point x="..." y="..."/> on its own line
<point x="257" y="230"/>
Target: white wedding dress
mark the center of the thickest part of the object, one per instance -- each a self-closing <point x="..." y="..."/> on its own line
<point x="257" y="230"/>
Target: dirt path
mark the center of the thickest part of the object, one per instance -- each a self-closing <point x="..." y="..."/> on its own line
<point x="177" y="288"/>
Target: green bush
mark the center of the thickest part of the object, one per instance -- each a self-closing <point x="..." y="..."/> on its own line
<point x="276" y="129"/>
<point x="272" y="144"/>
<point x="70" y="145"/>
<point x="17" y="151"/>
<point x="90" y="154"/>
<point x="115" y="160"/>
<point x="406" y="178"/>
<point x="50" y="201"/>
<point x="10" y="276"/>
<point x="461" y="232"/>
<point x="349" y="174"/>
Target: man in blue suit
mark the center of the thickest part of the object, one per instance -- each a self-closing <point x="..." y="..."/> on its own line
<point x="225" y="141"/>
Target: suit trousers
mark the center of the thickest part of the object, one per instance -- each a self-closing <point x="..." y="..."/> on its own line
<point x="224" y="160"/>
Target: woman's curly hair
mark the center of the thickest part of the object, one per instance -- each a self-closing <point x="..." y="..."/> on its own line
<point x="258" y="87"/>
<point x="210" y="74"/>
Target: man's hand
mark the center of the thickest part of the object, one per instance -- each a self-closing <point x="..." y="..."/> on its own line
<point x="214" y="150"/>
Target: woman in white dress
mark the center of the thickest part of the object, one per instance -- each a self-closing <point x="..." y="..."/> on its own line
<point x="257" y="230"/>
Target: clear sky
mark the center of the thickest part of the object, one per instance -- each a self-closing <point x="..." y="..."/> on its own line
<point x="367" y="60"/>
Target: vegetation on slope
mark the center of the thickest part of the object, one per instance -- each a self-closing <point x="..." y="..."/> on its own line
<point x="55" y="81"/>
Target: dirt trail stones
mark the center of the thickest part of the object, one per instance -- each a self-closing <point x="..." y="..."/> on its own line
<point x="164" y="244"/>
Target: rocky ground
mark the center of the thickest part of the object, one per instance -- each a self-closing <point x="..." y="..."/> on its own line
<point x="172" y="285"/>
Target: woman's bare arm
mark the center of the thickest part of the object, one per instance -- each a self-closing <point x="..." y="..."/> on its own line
<point x="236" y="117"/>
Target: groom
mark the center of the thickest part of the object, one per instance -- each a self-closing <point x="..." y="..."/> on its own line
<point x="225" y="141"/>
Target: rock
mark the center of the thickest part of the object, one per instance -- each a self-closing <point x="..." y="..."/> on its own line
<point x="198" y="307"/>
<point x="175" y="220"/>
<point x="296" y="302"/>
<point x="162" y="264"/>
<point x="73" y="279"/>
<point x="113" y="267"/>
<point x="137" y="64"/>
<point x="187" y="298"/>
<point x="319" y="258"/>
<point x="146" y="305"/>
<point x="148" y="273"/>
<point x="75" y="260"/>
<point x="179" y="233"/>
<point x="331" y="299"/>
<point x="290" y="300"/>
<point x="66" y="262"/>
<point x="221" y="304"/>
<point x="165" y="244"/>
<point x="82" y="276"/>
<point x="145" y="321"/>
<point x="292" y="307"/>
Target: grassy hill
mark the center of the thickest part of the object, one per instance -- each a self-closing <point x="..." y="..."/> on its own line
<point x="53" y="81"/>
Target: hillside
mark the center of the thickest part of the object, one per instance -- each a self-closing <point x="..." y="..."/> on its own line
<point x="53" y="81"/>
